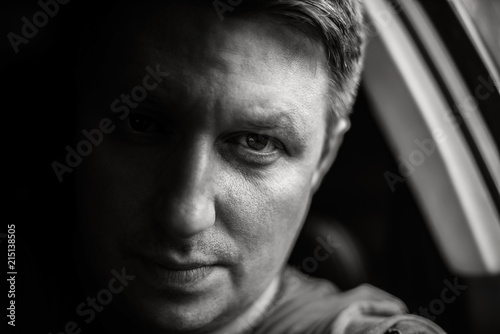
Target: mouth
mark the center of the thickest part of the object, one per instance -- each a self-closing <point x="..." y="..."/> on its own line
<point x="173" y="275"/>
<point x="177" y="266"/>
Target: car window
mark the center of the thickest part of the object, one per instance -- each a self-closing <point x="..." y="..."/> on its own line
<point x="485" y="14"/>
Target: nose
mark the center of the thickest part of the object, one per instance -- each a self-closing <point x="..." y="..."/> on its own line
<point x="186" y="205"/>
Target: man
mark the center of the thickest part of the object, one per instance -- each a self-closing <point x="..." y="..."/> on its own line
<point x="218" y="124"/>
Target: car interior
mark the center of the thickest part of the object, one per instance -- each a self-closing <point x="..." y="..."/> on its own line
<point x="408" y="237"/>
<point x="380" y="237"/>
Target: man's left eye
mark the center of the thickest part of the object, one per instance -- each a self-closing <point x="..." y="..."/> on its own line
<point x="258" y="143"/>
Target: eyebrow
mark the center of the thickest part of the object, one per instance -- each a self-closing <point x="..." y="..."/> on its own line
<point x="279" y="120"/>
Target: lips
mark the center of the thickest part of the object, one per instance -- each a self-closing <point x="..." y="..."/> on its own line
<point x="178" y="266"/>
<point x="171" y="274"/>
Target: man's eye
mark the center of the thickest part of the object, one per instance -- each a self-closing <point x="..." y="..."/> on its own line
<point x="144" y="129"/>
<point x="258" y="143"/>
<point x="143" y="123"/>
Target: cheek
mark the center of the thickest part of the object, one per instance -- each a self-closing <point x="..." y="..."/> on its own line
<point x="114" y="198"/>
<point x="265" y="211"/>
<point x="264" y="214"/>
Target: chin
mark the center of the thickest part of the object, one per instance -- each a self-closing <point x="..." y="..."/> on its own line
<point x="164" y="312"/>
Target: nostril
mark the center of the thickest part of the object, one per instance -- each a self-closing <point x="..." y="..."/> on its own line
<point x="184" y="217"/>
<point x="393" y="331"/>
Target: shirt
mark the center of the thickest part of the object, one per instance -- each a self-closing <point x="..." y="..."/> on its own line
<point x="307" y="305"/>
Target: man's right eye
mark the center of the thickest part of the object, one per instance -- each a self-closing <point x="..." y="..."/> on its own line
<point x="143" y="124"/>
<point x="145" y="129"/>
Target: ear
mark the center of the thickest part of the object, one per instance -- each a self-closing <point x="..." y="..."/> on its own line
<point x="330" y="150"/>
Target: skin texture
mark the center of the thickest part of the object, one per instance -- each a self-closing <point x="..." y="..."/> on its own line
<point x="188" y="187"/>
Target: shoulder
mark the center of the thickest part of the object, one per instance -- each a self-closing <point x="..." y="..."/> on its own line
<point x="314" y="306"/>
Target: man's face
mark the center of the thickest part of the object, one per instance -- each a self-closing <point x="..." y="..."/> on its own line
<point x="202" y="190"/>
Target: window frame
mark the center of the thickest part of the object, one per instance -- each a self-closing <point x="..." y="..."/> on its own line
<point x="457" y="186"/>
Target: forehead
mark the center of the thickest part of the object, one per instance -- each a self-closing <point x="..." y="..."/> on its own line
<point x="249" y="61"/>
<point x="182" y="28"/>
